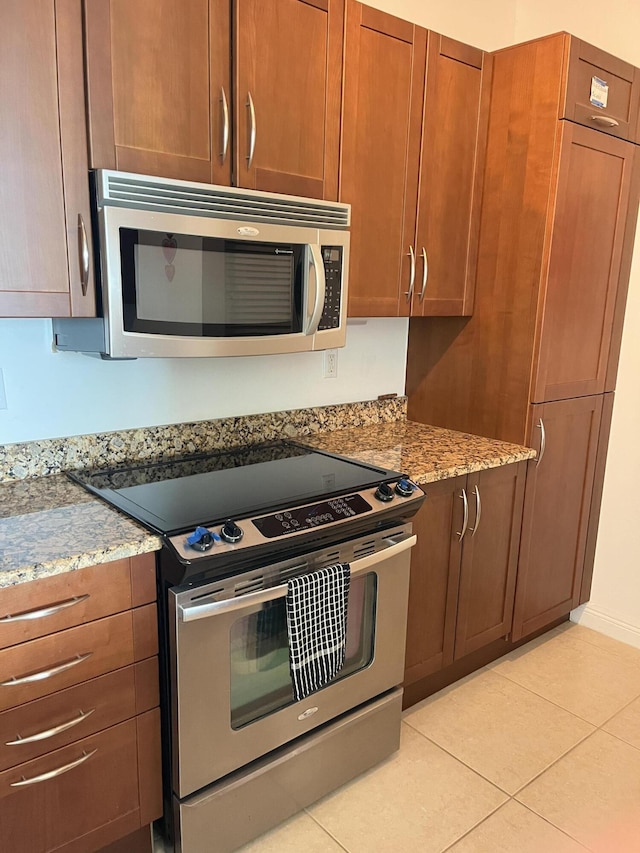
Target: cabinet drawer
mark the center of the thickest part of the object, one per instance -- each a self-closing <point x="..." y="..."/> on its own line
<point x="48" y="664"/>
<point x="48" y="605"/>
<point x="66" y="716"/>
<point x="602" y="91"/>
<point x="90" y="784"/>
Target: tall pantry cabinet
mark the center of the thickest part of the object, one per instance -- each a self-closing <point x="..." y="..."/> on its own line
<point x="536" y="363"/>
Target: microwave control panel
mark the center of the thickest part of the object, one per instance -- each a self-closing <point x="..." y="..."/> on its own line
<point x="332" y="258"/>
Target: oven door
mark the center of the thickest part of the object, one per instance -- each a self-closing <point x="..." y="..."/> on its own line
<point x="231" y="693"/>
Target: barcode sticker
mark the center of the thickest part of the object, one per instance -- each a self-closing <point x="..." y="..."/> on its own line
<point x="599" y="92"/>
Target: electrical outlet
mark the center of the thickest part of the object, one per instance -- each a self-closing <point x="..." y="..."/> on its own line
<point x="3" y="396"/>
<point x="330" y="368"/>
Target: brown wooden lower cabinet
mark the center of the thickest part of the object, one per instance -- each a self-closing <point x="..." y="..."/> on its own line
<point x="463" y="580"/>
<point x="557" y="507"/>
<point x="79" y="719"/>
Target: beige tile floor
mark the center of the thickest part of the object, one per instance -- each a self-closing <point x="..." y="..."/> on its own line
<point x="537" y="753"/>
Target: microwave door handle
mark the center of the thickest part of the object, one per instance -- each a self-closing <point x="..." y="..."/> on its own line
<point x="192" y="613"/>
<point x="316" y="264"/>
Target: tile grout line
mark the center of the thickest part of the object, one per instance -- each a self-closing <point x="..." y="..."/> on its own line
<point x="475" y="826"/>
<point x="558" y="828"/>
<point x="325" y="830"/>
<point x="561" y="707"/>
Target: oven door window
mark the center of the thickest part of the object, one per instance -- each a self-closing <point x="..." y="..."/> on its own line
<point x="176" y="284"/>
<point x="260" y="679"/>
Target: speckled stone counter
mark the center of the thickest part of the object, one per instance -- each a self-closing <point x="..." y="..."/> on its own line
<point x="50" y="525"/>
<point x="426" y="453"/>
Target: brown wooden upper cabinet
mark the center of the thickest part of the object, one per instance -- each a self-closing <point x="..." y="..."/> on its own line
<point x="45" y="223"/>
<point x="413" y="134"/>
<point x="602" y="91"/>
<point x="163" y="101"/>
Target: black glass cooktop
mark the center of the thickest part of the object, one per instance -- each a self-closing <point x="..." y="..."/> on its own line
<point x="177" y="495"/>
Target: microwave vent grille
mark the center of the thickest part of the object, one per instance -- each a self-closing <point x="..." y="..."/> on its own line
<point x="124" y="190"/>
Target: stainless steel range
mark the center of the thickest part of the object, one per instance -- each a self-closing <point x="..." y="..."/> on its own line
<point x="240" y="754"/>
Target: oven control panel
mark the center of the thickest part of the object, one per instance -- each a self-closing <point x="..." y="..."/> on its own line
<point x="225" y="537"/>
<point x="306" y="517"/>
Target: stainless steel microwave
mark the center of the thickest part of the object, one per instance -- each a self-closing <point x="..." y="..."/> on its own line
<point x="189" y="269"/>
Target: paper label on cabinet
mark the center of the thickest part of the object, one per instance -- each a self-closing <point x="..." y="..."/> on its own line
<point x="599" y="92"/>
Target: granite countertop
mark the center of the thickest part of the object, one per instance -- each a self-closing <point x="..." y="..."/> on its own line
<point x="50" y="525"/>
<point x="426" y="453"/>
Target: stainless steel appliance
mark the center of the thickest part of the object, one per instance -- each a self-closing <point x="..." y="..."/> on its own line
<point x="192" y="269"/>
<point x="240" y="754"/>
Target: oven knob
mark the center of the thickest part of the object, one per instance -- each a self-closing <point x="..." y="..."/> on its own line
<point x="384" y="492"/>
<point x="230" y="532"/>
<point x="202" y="539"/>
<point x="404" y="488"/>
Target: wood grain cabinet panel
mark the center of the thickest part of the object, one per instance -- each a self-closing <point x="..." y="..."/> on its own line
<point x="382" y="118"/>
<point x="451" y="169"/>
<point x="79" y="717"/>
<point x="433" y="589"/>
<point x="94" y="786"/>
<point x="413" y="138"/>
<point x="157" y="76"/>
<point x="463" y="568"/>
<point x="589" y="68"/>
<point x="44" y="194"/>
<point x="584" y="267"/>
<point x="556" y="512"/>
<point x="287" y="60"/>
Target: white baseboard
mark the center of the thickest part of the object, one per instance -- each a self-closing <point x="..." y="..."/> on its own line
<point x="599" y="620"/>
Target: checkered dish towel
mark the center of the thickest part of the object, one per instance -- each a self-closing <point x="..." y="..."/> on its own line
<point x="317" y="623"/>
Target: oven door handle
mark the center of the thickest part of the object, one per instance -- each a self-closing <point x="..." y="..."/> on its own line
<point x="193" y="612"/>
<point x="316" y="264"/>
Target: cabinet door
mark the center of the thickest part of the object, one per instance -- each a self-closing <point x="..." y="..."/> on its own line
<point x="556" y="511"/>
<point x="158" y="80"/>
<point x="451" y="165"/>
<point x="584" y="266"/>
<point x="288" y="81"/>
<point x="612" y="108"/>
<point x="382" y="118"/>
<point x="44" y="194"/>
<point x="433" y="590"/>
<point x="490" y="557"/>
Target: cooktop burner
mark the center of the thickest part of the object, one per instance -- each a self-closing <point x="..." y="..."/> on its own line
<point x="179" y="494"/>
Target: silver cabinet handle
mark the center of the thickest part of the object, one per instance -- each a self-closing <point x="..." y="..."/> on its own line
<point x="252" y="131"/>
<point x="193" y="612"/>
<point x="45" y="673"/>
<point x="474" y="529"/>
<point x="465" y="516"/>
<point x="83" y="249"/>
<point x="315" y="263"/>
<point x="57" y="772"/>
<point x="225" y="124"/>
<point x="607" y="121"/>
<point x="543" y="441"/>
<point x="425" y="272"/>
<point x="45" y="611"/>
<point x="51" y="732"/>
<point x="412" y="277"/>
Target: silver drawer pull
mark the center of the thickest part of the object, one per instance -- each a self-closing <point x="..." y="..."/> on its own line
<point x="45" y="673"/>
<point x="465" y="515"/>
<point x="57" y="772"/>
<point x="225" y="124"/>
<point x="51" y="732"/>
<point x="543" y="441"/>
<point x="478" y="511"/>
<point x="412" y="275"/>
<point x="45" y="611"/>
<point x="607" y="121"/>
<point x="252" y="131"/>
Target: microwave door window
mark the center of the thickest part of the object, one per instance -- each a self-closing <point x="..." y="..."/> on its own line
<point x="177" y="284"/>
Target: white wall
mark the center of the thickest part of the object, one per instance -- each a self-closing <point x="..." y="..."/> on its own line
<point x="614" y="608"/>
<point x="51" y="394"/>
